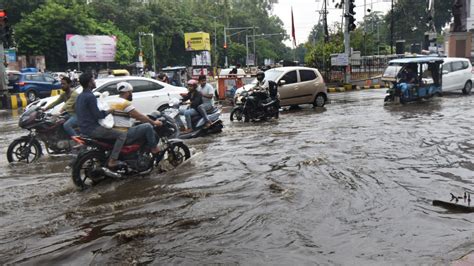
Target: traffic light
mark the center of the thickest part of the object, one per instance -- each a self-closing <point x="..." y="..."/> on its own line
<point x="350" y="16"/>
<point x="4" y="27"/>
<point x="225" y="45"/>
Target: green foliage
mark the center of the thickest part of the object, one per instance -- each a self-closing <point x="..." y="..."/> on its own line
<point x="320" y="55"/>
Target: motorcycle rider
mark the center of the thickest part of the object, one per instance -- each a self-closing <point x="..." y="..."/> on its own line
<point x="195" y="97"/>
<point x="88" y="115"/>
<point x="123" y="111"/>
<point x="207" y="105"/>
<point x="262" y="84"/>
<point x="69" y="97"/>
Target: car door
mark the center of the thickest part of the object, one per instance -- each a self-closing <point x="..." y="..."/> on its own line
<point x="448" y="77"/>
<point x="309" y="83"/>
<point x="457" y="70"/>
<point x="147" y="95"/>
<point x="289" y="90"/>
<point x="39" y="83"/>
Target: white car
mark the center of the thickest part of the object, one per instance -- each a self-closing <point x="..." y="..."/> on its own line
<point x="457" y="75"/>
<point x="148" y="94"/>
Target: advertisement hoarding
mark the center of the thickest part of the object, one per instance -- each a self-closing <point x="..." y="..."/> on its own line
<point x="91" y="48"/>
<point x="197" y="41"/>
<point x="202" y="59"/>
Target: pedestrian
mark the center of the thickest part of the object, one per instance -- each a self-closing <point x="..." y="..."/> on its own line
<point x="163" y="78"/>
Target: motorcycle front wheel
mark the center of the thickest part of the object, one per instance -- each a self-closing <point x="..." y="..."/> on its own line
<point x="176" y="154"/>
<point x="21" y="151"/>
<point x="87" y="169"/>
<point x="236" y="114"/>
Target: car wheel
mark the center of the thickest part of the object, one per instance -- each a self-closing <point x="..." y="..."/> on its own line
<point x="319" y="101"/>
<point x="31" y="95"/>
<point x="467" y="88"/>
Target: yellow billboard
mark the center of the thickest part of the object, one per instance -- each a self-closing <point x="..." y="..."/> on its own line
<point x="197" y="41"/>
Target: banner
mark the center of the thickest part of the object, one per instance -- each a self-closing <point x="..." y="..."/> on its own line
<point x="197" y="41"/>
<point x="91" y="48"/>
<point x="202" y="59"/>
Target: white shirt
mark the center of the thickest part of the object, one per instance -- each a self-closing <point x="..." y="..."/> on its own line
<point x="208" y="89"/>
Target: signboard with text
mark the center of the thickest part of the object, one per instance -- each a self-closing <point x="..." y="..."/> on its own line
<point x="202" y="59"/>
<point x="197" y="41"/>
<point x="91" y="48"/>
<point x="339" y="60"/>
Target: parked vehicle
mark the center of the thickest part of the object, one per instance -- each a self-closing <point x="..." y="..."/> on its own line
<point x="457" y="75"/>
<point x="88" y="168"/>
<point x="413" y="79"/>
<point x="35" y="85"/>
<point x="59" y="75"/>
<point x="13" y="77"/>
<point x="257" y="104"/>
<point x="197" y="121"/>
<point x="42" y="127"/>
<point x="296" y="85"/>
<point x="148" y="94"/>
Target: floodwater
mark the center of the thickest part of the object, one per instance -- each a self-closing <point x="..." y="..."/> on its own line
<point x="350" y="184"/>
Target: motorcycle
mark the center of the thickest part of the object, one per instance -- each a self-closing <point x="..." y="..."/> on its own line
<point x="257" y="104"/>
<point x="43" y="127"/>
<point x="89" y="167"/>
<point x="198" y="122"/>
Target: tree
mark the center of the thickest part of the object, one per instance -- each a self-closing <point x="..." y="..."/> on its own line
<point x="43" y="32"/>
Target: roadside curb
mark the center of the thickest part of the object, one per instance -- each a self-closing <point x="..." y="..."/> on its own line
<point x="19" y="100"/>
<point x="351" y="88"/>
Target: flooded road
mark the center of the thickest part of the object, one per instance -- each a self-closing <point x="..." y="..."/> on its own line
<point x="349" y="184"/>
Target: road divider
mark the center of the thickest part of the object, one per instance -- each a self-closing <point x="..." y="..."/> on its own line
<point x="14" y="101"/>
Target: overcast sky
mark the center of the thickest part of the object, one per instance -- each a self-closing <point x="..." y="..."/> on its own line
<point x="306" y="14"/>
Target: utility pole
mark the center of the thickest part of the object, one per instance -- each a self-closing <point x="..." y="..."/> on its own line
<point x="347" y="41"/>
<point x="391" y="30"/>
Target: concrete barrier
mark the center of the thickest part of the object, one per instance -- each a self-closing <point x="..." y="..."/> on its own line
<point x="14" y="101"/>
<point x="349" y="87"/>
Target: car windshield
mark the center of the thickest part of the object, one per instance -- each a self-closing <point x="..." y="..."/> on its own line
<point x="272" y="74"/>
<point x="391" y="71"/>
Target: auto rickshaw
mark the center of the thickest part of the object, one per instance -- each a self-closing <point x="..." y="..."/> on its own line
<point x="413" y="79"/>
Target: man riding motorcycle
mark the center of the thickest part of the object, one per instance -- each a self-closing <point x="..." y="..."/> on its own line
<point x="123" y="110"/>
<point x="69" y="97"/>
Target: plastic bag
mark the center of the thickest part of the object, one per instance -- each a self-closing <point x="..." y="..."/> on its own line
<point x="108" y="121"/>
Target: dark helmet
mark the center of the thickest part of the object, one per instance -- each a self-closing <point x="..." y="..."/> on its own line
<point x="260" y="75"/>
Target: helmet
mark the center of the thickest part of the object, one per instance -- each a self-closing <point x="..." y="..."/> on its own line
<point x="260" y="75"/>
<point x="193" y="82"/>
<point x="124" y="87"/>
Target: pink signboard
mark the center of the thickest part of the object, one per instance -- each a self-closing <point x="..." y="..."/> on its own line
<point x="91" y="48"/>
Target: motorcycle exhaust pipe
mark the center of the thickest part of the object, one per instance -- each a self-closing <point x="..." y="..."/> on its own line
<point x="110" y="173"/>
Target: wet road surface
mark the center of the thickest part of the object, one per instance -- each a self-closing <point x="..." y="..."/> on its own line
<point x="349" y="184"/>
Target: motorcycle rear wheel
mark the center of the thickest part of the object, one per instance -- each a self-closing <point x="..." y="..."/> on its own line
<point x="19" y="151"/>
<point x="87" y="169"/>
<point x="176" y="154"/>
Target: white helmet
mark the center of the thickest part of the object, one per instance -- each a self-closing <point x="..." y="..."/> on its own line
<point x="124" y="86"/>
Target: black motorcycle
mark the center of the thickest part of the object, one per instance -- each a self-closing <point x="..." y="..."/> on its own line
<point x="257" y="104"/>
<point x="42" y="127"/>
<point x="89" y="167"/>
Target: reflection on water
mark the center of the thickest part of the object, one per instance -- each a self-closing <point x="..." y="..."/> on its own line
<point x="351" y="183"/>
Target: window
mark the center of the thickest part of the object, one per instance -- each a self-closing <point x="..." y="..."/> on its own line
<point x="306" y="75"/>
<point x="447" y="67"/>
<point x="35" y="78"/>
<point x="49" y="79"/>
<point x="456" y="66"/>
<point x="290" y="77"/>
<point x="144" y="85"/>
<point x="465" y="64"/>
<point x="111" y="88"/>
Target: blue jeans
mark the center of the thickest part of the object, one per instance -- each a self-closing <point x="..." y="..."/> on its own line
<point x="137" y="133"/>
<point x="202" y="109"/>
<point x="69" y="125"/>
<point x="188" y="114"/>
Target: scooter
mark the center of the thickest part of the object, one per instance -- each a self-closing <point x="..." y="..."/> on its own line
<point x="198" y="122"/>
